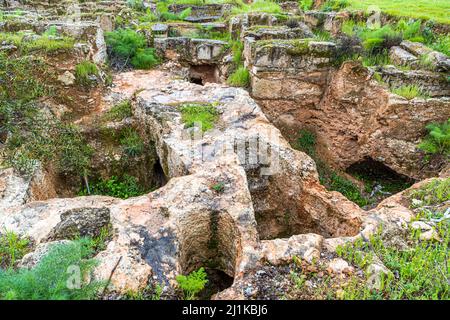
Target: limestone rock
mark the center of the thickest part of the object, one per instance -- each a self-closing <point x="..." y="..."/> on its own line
<point x="67" y="78"/>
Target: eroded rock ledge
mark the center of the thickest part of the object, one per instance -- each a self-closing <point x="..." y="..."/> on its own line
<point x="187" y="223"/>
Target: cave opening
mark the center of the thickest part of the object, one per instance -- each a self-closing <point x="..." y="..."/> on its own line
<point x="203" y="74"/>
<point x="209" y="240"/>
<point x="379" y="180"/>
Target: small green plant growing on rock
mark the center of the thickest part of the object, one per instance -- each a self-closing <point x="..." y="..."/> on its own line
<point x="219" y="187"/>
<point x="204" y="114"/>
<point x="438" y="139"/>
<point x="119" y="111"/>
<point x="306" y="5"/>
<point x="193" y="283"/>
<point x="84" y="71"/>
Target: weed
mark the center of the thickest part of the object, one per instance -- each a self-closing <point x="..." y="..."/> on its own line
<point x="409" y="91"/>
<point x="239" y="78"/>
<point x="132" y="142"/>
<point x="12" y="248"/>
<point x="437" y="140"/>
<point x="205" y="115"/>
<point x="49" y="279"/>
<point x="193" y="283"/>
<point x="119" y="112"/>
<point x="85" y="71"/>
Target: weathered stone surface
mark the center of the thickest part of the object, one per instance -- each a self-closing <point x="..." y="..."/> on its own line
<point x="84" y="222"/>
<point x="192" y="51"/>
<point x="402" y="57"/>
<point x="67" y="78"/>
<point x="278" y="32"/>
<point x="379" y="125"/>
<point x="432" y="83"/>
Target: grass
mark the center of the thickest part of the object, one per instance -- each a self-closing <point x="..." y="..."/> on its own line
<point x="12" y="248"/>
<point x="204" y="115"/>
<point x="119" y="112"/>
<point x="84" y="71"/>
<point x="258" y="6"/>
<point x="132" y="142"/>
<point x="46" y="43"/>
<point x="436" y="10"/>
<point x="409" y="91"/>
<point x="33" y="135"/>
<point x="193" y="283"/>
<point x="239" y="78"/>
<point x="418" y="272"/>
<point x="60" y="275"/>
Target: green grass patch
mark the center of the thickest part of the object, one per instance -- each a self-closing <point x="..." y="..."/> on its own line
<point x="417" y="272"/>
<point x="239" y="78"/>
<point x="84" y="71"/>
<point x="410" y="91"/>
<point x="258" y="6"/>
<point x="204" y="115"/>
<point x="436" y="10"/>
<point x="132" y="143"/>
<point x="119" y="112"/>
<point x="118" y="187"/>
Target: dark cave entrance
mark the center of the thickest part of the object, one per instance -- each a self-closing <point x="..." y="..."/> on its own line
<point x="203" y="74"/>
<point x="217" y="282"/>
<point x="212" y="243"/>
<point x="379" y="180"/>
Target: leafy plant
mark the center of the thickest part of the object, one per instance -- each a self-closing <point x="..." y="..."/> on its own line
<point x="50" y="278"/>
<point x="129" y="45"/>
<point x="306" y="142"/>
<point x="12" y="248"/>
<point x="145" y="59"/>
<point x="437" y="140"/>
<point x="193" y="283"/>
<point x="125" y="187"/>
<point x="306" y="5"/>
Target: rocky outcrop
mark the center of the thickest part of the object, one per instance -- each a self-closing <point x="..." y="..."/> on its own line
<point x="189" y="223"/>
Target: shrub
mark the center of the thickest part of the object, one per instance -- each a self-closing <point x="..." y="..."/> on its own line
<point x="437" y="140"/>
<point x="205" y="115"/>
<point x="84" y="71"/>
<point x="12" y="248"/>
<point x="193" y="283"/>
<point x="129" y="45"/>
<point x="124" y="187"/>
<point x="125" y="42"/>
<point x="145" y="59"/>
<point x="49" y="279"/>
<point x="239" y="78"/>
